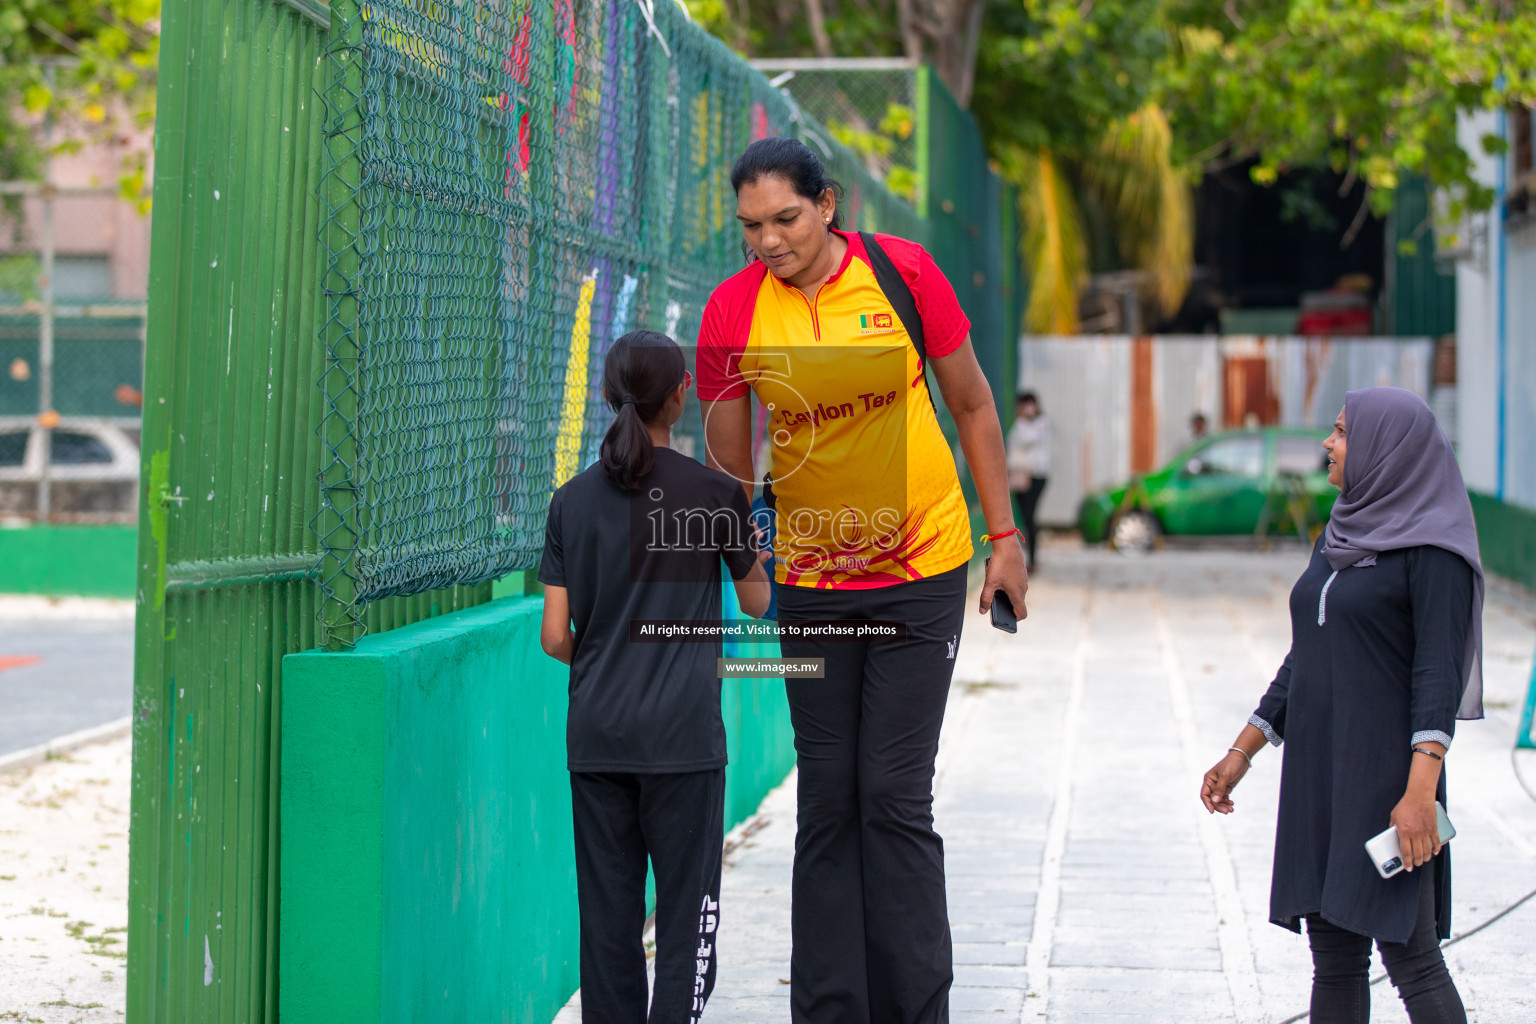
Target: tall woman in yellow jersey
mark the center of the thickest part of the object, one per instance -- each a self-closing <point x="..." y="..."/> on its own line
<point x="871" y="524"/>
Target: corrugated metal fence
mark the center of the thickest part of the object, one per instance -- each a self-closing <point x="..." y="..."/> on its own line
<point x="1122" y="405"/>
<point x="226" y="555"/>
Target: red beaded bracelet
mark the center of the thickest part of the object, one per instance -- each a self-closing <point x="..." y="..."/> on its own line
<point x="995" y="537"/>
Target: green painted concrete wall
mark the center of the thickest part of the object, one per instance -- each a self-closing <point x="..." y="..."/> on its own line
<point x="68" y="561"/>
<point x="1506" y="537"/>
<point x="426" y="848"/>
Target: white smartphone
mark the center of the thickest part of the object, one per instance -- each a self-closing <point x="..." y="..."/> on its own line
<point x="1387" y="853"/>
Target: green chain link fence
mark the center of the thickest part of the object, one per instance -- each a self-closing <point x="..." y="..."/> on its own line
<point x="509" y="188"/>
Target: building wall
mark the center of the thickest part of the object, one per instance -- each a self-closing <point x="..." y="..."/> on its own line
<point x="101" y="227"/>
<point x="1314" y="374"/>
<point x="1519" y="400"/>
<point x="1477" y="374"/>
<point x="1084" y="386"/>
<point x="1496" y="363"/>
<point x="1188" y="380"/>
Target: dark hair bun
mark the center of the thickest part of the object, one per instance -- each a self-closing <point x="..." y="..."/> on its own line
<point x="793" y="161"/>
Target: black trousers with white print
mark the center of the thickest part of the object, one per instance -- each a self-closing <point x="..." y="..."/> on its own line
<point x="870" y="921"/>
<point x="676" y="821"/>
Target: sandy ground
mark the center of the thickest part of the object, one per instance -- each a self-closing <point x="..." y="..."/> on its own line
<point x="64" y="888"/>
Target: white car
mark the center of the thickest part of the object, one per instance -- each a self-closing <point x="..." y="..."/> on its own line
<point x="94" y="469"/>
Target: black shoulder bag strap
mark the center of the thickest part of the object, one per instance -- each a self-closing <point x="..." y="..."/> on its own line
<point x="900" y="295"/>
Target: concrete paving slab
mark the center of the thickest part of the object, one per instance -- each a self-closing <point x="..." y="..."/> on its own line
<point x="1001" y="954"/>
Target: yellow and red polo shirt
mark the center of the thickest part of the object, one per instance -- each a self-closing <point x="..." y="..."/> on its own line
<point x="866" y="487"/>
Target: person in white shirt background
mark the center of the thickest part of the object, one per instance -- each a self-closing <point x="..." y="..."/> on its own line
<point x="1029" y="464"/>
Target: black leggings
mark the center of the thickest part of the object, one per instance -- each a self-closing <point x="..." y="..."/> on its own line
<point x="1341" y="960"/>
<point x="1028" y="502"/>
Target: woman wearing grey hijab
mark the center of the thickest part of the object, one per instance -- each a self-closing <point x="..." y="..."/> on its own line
<point x="1386" y="637"/>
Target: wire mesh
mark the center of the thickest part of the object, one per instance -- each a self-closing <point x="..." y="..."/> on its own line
<point x="98" y="363"/>
<point x="871" y="109"/>
<point x="509" y="187"/>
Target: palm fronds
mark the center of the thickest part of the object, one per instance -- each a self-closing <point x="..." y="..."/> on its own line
<point x="1133" y="175"/>
<point x="1130" y="174"/>
<point x="1054" y="246"/>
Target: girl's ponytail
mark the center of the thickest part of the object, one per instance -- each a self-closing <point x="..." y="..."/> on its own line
<point x="641" y="371"/>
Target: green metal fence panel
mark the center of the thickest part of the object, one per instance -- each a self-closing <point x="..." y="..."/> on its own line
<point x="1015" y="286"/>
<point x="1423" y="293"/>
<point x="226" y="559"/>
<point x="962" y="205"/>
<point x="508" y="189"/>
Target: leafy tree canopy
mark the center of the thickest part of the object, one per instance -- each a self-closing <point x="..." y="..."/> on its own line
<point x="1369" y="87"/>
<point x="88" y="64"/>
<point x="1056" y="74"/>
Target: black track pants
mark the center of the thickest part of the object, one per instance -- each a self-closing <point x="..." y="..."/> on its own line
<point x="677" y="821"/>
<point x="870" y="921"/>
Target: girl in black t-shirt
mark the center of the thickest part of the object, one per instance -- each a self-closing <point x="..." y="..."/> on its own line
<point x="639" y="537"/>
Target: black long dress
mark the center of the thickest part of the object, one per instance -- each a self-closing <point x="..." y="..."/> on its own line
<point x="1375" y="662"/>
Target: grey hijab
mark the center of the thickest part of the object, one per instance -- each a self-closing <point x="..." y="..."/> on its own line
<point x="1403" y="489"/>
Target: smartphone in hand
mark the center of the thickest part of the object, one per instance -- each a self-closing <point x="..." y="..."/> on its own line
<point x="1387" y="853"/>
<point x="1003" y="615"/>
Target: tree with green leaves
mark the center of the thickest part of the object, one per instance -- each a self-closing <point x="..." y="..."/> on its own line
<point x="1105" y="112"/>
<point x="945" y="33"/>
<point x="1370" y="88"/>
<point x="87" y="64"/>
<point x="1067" y="99"/>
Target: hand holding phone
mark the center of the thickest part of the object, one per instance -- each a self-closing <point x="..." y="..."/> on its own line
<point x="1003" y="615"/>
<point x="1386" y="852"/>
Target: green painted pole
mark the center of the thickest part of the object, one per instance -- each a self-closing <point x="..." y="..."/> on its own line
<point x="338" y="522"/>
<point x="150" y="785"/>
<point x="924" y="140"/>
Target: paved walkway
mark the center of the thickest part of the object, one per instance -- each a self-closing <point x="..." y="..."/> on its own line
<point x="1086" y="882"/>
<point x="65" y="665"/>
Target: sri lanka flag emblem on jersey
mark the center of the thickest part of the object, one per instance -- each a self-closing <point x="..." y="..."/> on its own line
<point x="878" y="321"/>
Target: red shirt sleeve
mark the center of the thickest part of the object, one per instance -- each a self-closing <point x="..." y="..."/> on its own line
<point x="945" y="324"/>
<point x="723" y="333"/>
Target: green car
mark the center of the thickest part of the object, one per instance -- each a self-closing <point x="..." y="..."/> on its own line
<point x="1258" y="482"/>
